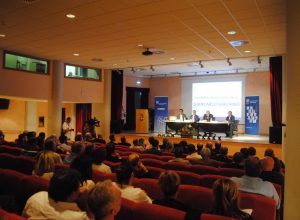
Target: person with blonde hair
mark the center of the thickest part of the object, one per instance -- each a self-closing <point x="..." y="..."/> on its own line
<point x="226" y="198"/>
<point x="45" y="164"/>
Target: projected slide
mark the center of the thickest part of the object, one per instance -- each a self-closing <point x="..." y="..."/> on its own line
<point x="218" y="97"/>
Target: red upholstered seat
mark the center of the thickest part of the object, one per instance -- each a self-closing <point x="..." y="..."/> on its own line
<point x="189" y="178"/>
<point x="8" y="161"/>
<point x="11" y="150"/>
<point x="154" y="172"/>
<point x="99" y="176"/>
<point x="144" y="211"/>
<point x="177" y="166"/>
<point x="166" y="158"/>
<point x="153" y="162"/>
<point x="2" y="213"/>
<point x="203" y="169"/>
<point x="11" y="216"/>
<point x="230" y="172"/>
<point x="112" y="165"/>
<point x="150" y="186"/>
<point x="25" y="164"/>
<point x="10" y="181"/>
<point x="126" y="211"/>
<point x="209" y="179"/>
<point x="152" y="156"/>
<point x="215" y="217"/>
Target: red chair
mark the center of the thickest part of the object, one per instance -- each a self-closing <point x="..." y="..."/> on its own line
<point x="61" y="167"/>
<point x="8" y="161"/>
<point x="12" y="150"/>
<point x="11" y="216"/>
<point x="151" y="156"/>
<point x="25" y="164"/>
<point x="189" y="178"/>
<point x="209" y="179"/>
<point x="10" y="181"/>
<point x="99" y="176"/>
<point x="153" y="163"/>
<point x="177" y="166"/>
<point x="126" y="211"/>
<point x="230" y="172"/>
<point x="154" y="172"/>
<point x="112" y="165"/>
<point x="166" y="158"/>
<point x="150" y="186"/>
<point x="215" y="217"/>
<point x="203" y="169"/>
<point x="144" y="211"/>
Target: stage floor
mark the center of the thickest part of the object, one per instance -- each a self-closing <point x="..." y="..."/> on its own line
<point x="260" y="142"/>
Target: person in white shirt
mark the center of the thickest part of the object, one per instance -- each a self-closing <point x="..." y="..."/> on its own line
<point x="251" y="182"/>
<point x="124" y="180"/>
<point x="104" y="200"/>
<point x="181" y="116"/>
<point x="98" y="156"/>
<point x="67" y="128"/>
<point x="59" y="202"/>
<point x="193" y="154"/>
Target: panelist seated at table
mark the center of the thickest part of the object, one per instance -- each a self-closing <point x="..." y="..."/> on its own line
<point x="230" y="119"/>
<point x="194" y="117"/>
<point x="181" y="116"/>
<point x="208" y="117"/>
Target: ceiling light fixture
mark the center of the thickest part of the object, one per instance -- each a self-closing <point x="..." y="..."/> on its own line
<point x="71" y="16"/>
<point x="258" y="60"/>
<point x="76" y="54"/>
<point x="247" y="51"/>
<point x="115" y="64"/>
<point x="152" y="68"/>
<point x="231" y="32"/>
<point x="140" y="45"/>
<point x="200" y="64"/>
<point x="229" y="62"/>
<point x="2" y="35"/>
<point x="172" y="58"/>
<point x="138" y="82"/>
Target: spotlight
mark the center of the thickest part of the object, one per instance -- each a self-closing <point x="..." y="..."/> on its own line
<point x="200" y="64"/>
<point x="258" y="60"/>
<point x="152" y="68"/>
<point x="229" y="62"/>
<point x="219" y="138"/>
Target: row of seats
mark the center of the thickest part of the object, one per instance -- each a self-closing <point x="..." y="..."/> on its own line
<point x="23" y="186"/>
<point x="9" y="216"/>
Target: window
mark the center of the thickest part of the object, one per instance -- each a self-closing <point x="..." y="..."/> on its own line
<point x="25" y="63"/>
<point x="72" y="71"/>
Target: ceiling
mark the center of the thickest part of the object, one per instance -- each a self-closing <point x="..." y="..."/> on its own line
<point x="185" y="30"/>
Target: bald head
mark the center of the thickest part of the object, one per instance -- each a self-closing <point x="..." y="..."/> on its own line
<point x="267" y="163"/>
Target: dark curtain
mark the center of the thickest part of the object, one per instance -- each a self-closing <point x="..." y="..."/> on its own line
<point x="136" y="98"/>
<point x="276" y="90"/>
<point x="116" y="101"/>
<point x="83" y="114"/>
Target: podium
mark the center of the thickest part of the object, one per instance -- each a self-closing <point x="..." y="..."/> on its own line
<point x="142" y="121"/>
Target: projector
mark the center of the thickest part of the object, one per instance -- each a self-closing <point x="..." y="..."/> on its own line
<point x="147" y="52"/>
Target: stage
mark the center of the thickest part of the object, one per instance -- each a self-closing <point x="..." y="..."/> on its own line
<point x="260" y="142"/>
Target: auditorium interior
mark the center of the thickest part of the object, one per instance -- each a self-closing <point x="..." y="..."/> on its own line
<point x="101" y="60"/>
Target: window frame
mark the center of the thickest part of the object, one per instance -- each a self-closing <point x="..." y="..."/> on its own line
<point x="81" y="78"/>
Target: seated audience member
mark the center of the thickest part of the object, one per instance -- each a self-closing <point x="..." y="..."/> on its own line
<point x="268" y="174"/>
<point x="98" y="156"/>
<point x="112" y="139"/>
<point x="222" y="155"/>
<point x="50" y="145"/>
<point x="150" y="140"/>
<point x="216" y="150"/>
<point x="21" y="141"/>
<point x="124" y="180"/>
<point x="2" y="138"/>
<point x="99" y="139"/>
<point x="124" y="142"/>
<point x="237" y="161"/>
<point x="139" y="169"/>
<point x="111" y="155"/>
<point x="226" y="200"/>
<point x="83" y="164"/>
<point x="142" y="142"/>
<point x="251" y="182"/>
<point x="88" y="137"/>
<point x="136" y="145"/>
<point x="104" y="200"/>
<point x="252" y="151"/>
<point x="79" y="137"/>
<point x="154" y="148"/>
<point x="54" y="139"/>
<point x="45" y="164"/>
<point x="89" y="149"/>
<point x="76" y="150"/>
<point x="169" y="182"/>
<point x="166" y="146"/>
<point x="184" y="145"/>
<point x="178" y="153"/>
<point x="40" y="140"/>
<point x="60" y="200"/>
<point x="206" y="160"/>
<point x="245" y="152"/>
<point x="278" y="164"/>
<point x="199" y="148"/>
<point x="32" y="144"/>
<point x="64" y="144"/>
<point x="193" y="154"/>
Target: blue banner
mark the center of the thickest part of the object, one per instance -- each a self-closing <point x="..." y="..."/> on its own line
<point x="160" y="112"/>
<point x="252" y="115"/>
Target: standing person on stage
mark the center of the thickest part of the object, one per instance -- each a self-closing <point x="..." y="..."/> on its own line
<point x="181" y="116"/>
<point x="194" y="117"/>
<point x="230" y="119"/>
<point x="67" y="128"/>
<point x="208" y="117"/>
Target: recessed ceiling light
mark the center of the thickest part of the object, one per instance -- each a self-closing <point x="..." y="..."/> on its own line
<point x="172" y="58"/>
<point x="76" y="54"/>
<point x="70" y="16"/>
<point x="247" y="51"/>
<point x="231" y="32"/>
<point x="115" y="64"/>
<point x="2" y="35"/>
<point x="140" y="45"/>
<point x="138" y="82"/>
